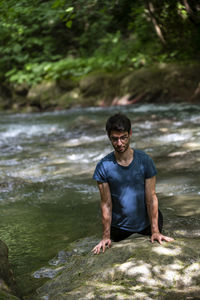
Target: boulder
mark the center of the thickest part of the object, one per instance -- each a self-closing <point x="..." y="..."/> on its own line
<point x="92" y="84"/>
<point x="131" y="269"/>
<point x="5" y="103"/>
<point x="158" y="83"/>
<point x="69" y="99"/>
<point x="20" y="89"/>
<point x="99" y="87"/>
<point x="7" y="282"/>
<point x="67" y="84"/>
<point x="43" y="95"/>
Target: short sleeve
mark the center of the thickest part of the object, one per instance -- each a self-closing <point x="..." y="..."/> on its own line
<point x="99" y="173"/>
<point x="150" y="168"/>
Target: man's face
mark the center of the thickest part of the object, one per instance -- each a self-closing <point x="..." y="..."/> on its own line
<point x="120" y="140"/>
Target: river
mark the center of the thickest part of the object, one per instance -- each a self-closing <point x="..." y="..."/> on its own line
<point x="48" y="198"/>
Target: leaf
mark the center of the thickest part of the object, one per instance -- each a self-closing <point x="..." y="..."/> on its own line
<point x="69" y="9"/>
<point x="17" y="48"/>
<point x="69" y="24"/>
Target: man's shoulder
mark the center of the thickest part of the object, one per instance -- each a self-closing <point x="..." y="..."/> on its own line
<point x="105" y="164"/>
<point x="141" y="153"/>
<point x="108" y="158"/>
<point x="142" y="156"/>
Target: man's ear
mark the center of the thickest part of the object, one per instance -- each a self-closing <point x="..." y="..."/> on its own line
<point x="130" y="133"/>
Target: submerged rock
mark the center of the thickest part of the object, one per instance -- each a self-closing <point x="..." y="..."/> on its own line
<point x="131" y="269"/>
<point x="47" y="272"/>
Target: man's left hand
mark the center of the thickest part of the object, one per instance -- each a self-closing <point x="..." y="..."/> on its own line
<point x="157" y="236"/>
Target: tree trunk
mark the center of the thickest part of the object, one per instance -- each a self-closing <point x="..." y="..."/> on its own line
<point x="192" y="12"/>
<point x="157" y="28"/>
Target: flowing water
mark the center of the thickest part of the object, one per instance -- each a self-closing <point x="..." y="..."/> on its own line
<point x="48" y="198"/>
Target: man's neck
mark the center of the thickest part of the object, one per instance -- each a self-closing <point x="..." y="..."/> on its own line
<point x="124" y="158"/>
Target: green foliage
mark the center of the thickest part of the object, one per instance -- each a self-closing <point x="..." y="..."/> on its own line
<point x="55" y="38"/>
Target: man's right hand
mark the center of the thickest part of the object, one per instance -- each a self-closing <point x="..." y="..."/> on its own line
<point x="105" y="243"/>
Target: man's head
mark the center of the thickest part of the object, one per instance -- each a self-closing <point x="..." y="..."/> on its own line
<point x="119" y="131"/>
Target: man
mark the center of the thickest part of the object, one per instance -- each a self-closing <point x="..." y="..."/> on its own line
<point x="126" y="181"/>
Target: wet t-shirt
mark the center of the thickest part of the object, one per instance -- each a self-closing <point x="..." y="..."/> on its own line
<point x="127" y="187"/>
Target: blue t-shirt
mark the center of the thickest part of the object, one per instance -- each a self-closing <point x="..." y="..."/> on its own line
<point x="127" y="187"/>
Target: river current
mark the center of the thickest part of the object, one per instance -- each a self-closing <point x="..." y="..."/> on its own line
<point x="47" y="196"/>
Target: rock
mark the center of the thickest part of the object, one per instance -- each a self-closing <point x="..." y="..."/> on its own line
<point x="67" y="84"/>
<point x="158" y="83"/>
<point x="19" y="93"/>
<point x="131" y="269"/>
<point x="2" y="103"/>
<point x="68" y="99"/>
<point x="20" y="89"/>
<point x="92" y="84"/>
<point x="43" y="95"/>
<point x="7" y="282"/>
<point x="47" y="272"/>
<point x="162" y="82"/>
<point x="7" y="296"/>
<point x="5" y="103"/>
<point x="100" y="87"/>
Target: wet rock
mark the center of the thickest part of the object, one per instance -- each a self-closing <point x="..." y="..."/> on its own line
<point x="131" y="269"/>
<point x="47" y="272"/>
<point x="7" y="282"/>
<point x="62" y="258"/>
<point x="59" y="263"/>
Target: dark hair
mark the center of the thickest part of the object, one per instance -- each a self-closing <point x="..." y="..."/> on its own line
<point x="118" y="122"/>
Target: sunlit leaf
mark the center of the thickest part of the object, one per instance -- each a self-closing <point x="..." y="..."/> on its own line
<point x="69" y="9"/>
<point x="69" y="24"/>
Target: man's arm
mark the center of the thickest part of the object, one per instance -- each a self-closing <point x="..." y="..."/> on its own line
<point x="152" y="208"/>
<point x="106" y="212"/>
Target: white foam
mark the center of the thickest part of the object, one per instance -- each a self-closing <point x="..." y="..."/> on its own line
<point x="86" y="157"/>
<point x="84" y="140"/>
<point x="174" y="137"/>
<point x="146" y="125"/>
<point x="13" y="131"/>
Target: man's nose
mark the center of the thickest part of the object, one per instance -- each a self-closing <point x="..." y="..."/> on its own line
<point x="119" y="142"/>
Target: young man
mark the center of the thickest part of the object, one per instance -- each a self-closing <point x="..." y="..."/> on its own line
<point x="126" y="181"/>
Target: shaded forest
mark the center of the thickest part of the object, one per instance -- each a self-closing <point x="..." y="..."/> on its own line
<point x="49" y="40"/>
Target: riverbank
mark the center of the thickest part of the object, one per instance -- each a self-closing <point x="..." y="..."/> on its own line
<point x="161" y="83"/>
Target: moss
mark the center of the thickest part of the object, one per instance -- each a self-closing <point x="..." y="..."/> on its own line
<point x="131" y="269"/>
